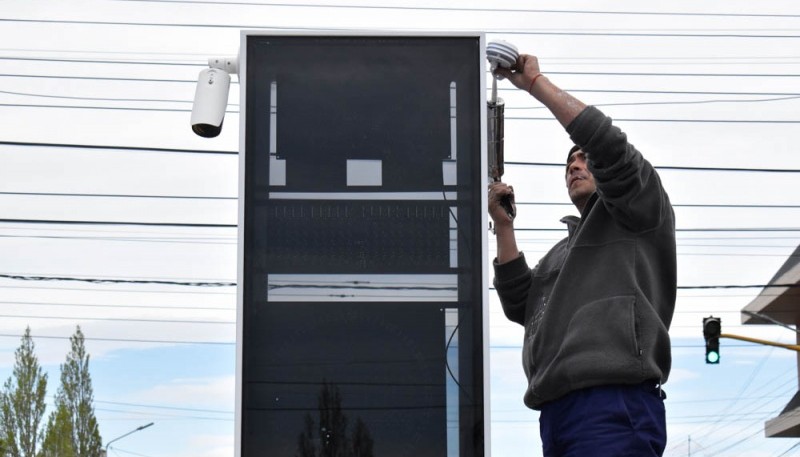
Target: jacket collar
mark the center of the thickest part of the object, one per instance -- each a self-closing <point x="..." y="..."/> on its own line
<point x="573" y="222"/>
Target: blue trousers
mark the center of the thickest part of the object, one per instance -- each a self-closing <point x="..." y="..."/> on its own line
<point x="606" y="421"/>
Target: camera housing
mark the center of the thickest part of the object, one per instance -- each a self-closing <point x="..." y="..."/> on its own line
<point x="211" y="96"/>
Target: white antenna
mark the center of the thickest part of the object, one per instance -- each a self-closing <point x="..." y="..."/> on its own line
<point x="500" y="54"/>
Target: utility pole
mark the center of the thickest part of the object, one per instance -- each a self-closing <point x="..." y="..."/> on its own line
<point x="142" y="427"/>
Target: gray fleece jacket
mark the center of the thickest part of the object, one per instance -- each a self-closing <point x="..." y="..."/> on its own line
<point x="598" y="306"/>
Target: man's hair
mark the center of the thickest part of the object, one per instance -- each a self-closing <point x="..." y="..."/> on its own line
<point x="571" y="150"/>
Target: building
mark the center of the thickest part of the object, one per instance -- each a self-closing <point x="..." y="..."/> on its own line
<point x="779" y="302"/>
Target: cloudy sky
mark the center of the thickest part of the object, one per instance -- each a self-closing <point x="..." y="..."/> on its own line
<point x="102" y="178"/>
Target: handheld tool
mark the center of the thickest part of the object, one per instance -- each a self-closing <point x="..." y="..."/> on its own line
<point x="504" y="55"/>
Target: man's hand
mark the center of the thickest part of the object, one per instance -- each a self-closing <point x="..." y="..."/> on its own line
<point x="522" y="73"/>
<point x="499" y="214"/>
<point x="526" y="75"/>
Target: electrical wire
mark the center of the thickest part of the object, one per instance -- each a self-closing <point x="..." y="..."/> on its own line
<point x="565" y="32"/>
<point x="128" y="340"/>
<point x="472" y="9"/>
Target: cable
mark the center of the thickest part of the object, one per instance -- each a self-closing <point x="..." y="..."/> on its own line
<point x="103" y="78"/>
<point x="356" y="29"/>
<point x="66" y="194"/>
<point x="137" y="307"/>
<point x="192" y="197"/>
<point x="173" y="408"/>
<point x="468" y="9"/>
<point x="122" y="62"/>
<point x="690" y="102"/>
<point x="115" y="223"/>
<point x="696" y="121"/>
<point x="115" y="319"/>
<point x="791" y="448"/>
<point x="106" y="99"/>
<point x="576" y="90"/>
<point x="127" y="340"/>
<point x="116" y="148"/>
<point x="514" y="163"/>
<point x="118" y="281"/>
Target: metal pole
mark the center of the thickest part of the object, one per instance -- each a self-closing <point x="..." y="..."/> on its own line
<point x="793" y="347"/>
<point x="123" y="436"/>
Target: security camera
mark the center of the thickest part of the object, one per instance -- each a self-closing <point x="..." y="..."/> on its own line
<point x="211" y="96"/>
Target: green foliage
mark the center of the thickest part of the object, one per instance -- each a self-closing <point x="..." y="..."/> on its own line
<point x="22" y="406"/>
<point x="76" y="396"/>
<point x="58" y="435"/>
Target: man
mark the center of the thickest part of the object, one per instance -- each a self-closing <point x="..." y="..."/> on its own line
<point x="597" y="307"/>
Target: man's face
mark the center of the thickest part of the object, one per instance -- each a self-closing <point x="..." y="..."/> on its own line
<point x="580" y="182"/>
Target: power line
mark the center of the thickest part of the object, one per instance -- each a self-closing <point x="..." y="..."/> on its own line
<point x="691" y="121"/>
<point x="178" y="110"/>
<point x="116" y="148"/>
<point x="127" y="340"/>
<point x="116" y="223"/>
<point x="105" y="99"/>
<point x="120" y="62"/>
<point x="670" y="167"/>
<point x="116" y="319"/>
<point x="173" y="408"/>
<point x="577" y="90"/>
<point x="103" y="78"/>
<point x="521" y="108"/>
<point x="119" y="281"/>
<point x="354" y="29"/>
<point x="137" y="307"/>
<point x="518" y="203"/>
<point x="471" y="9"/>
<point x="166" y="197"/>
<point x="514" y="163"/>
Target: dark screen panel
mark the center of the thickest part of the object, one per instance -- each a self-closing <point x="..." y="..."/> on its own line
<point x="358" y="236"/>
<point x="340" y="373"/>
<point x="378" y="364"/>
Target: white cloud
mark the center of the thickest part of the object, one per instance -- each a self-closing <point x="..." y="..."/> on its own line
<point x="210" y="446"/>
<point x="216" y="392"/>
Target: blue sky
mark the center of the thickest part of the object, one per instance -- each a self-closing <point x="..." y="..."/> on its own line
<point x="648" y="71"/>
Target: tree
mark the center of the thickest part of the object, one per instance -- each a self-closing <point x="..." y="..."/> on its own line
<point x="305" y="442"/>
<point x="332" y="430"/>
<point x="22" y="406"/>
<point x="362" y="440"/>
<point x="332" y="422"/>
<point x="58" y="435"/>
<point x="75" y="395"/>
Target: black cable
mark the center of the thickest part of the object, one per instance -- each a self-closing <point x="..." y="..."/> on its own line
<point x="115" y="148"/>
<point x="126" y="340"/>
<point x="103" y="78"/>
<point x="98" y="305"/>
<point x="116" y="319"/>
<point x="352" y="29"/>
<point x="514" y="163"/>
<point x="122" y="62"/>
<point x="619" y="73"/>
<point x="166" y="197"/>
<point x="119" y="281"/>
<point x="115" y="223"/>
<point x="467" y="9"/>
<point x="691" y="121"/>
<point x="668" y="167"/>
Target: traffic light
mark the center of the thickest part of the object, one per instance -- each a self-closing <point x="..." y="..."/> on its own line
<point x="712" y="327"/>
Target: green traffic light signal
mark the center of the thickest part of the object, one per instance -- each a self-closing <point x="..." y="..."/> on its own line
<point x="712" y="328"/>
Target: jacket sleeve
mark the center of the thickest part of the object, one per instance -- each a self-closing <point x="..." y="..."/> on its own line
<point x="626" y="183"/>
<point x="512" y="281"/>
